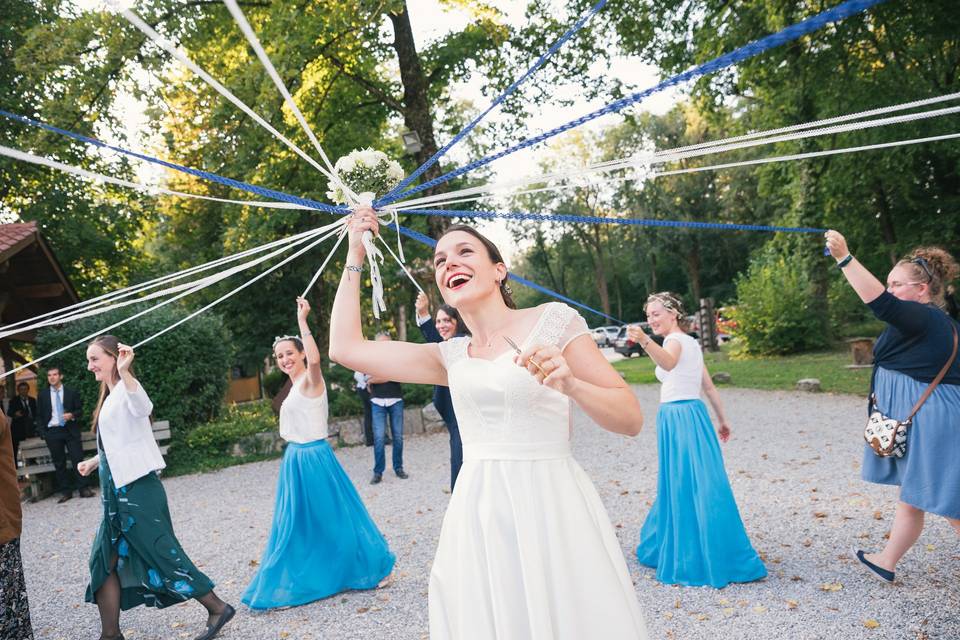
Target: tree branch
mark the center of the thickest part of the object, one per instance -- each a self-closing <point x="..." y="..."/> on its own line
<point x="370" y="86"/>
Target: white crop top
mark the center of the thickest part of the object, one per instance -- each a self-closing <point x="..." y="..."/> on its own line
<point x="685" y="380"/>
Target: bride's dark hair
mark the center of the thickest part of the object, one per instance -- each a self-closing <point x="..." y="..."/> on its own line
<point x="495" y="256"/>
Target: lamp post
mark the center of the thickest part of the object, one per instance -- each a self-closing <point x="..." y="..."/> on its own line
<point x="411" y="142"/>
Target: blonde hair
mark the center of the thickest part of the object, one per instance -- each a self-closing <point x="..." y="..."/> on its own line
<point x="110" y="344"/>
<point x="935" y="267"/>
<point x="669" y="301"/>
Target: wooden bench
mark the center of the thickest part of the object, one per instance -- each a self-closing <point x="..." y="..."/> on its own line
<point x="38" y="467"/>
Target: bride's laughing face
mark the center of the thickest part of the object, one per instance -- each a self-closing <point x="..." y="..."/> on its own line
<point x="464" y="271"/>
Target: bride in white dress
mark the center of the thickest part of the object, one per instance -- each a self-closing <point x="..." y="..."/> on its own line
<point x="526" y="551"/>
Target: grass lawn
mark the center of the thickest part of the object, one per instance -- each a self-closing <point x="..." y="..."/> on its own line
<point x="770" y="373"/>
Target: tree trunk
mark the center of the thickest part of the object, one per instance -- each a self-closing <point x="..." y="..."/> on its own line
<point x="653" y="273"/>
<point x="417" y="115"/>
<point x="600" y="270"/>
<point x="692" y="260"/>
<point x="886" y="222"/>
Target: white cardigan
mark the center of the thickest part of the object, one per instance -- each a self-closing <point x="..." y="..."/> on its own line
<point x="126" y="435"/>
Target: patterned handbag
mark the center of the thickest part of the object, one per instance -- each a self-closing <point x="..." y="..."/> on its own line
<point x="888" y="437"/>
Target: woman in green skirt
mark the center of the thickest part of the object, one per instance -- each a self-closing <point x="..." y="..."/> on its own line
<point x="136" y="558"/>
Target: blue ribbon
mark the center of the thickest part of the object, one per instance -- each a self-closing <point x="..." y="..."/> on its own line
<point x="503" y="96"/>
<point x="430" y="242"/>
<point x="745" y="52"/>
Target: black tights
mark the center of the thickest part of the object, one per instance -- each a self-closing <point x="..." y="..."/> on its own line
<point x="108" y="602"/>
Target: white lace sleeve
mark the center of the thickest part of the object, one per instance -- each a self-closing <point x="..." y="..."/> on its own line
<point x="561" y="324"/>
<point x="453" y="350"/>
<point x="576" y="327"/>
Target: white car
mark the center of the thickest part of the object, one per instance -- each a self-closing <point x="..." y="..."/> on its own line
<point x="604" y="336"/>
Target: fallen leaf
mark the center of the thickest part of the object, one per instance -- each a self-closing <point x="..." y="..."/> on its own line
<point x="759" y="609"/>
<point x="819" y="514"/>
<point x="877" y="515"/>
<point x="676" y="605"/>
<point x="668" y="615"/>
<point x="807" y="542"/>
<point x="728" y="611"/>
<point x="930" y="547"/>
<point x="254" y="563"/>
<point x="871" y="624"/>
<point x="792" y="604"/>
<point x="724" y="601"/>
<point x="702" y="617"/>
<point x="831" y="586"/>
<point x="363" y="609"/>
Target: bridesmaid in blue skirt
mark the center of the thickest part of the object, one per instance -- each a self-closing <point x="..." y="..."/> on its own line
<point x="322" y="540"/>
<point x="693" y="534"/>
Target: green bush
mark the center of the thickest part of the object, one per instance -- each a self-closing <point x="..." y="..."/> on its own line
<point x="185" y="371"/>
<point x="846" y="308"/>
<point x="210" y="446"/>
<point x="777" y="311"/>
<point x="344" y="400"/>
<point x="273" y="382"/>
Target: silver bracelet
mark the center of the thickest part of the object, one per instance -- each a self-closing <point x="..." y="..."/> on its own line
<point x="350" y="267"/>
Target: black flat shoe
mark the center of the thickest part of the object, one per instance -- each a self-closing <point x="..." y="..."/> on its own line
<point x="377" y="477"/>
<point x="63" y="498"/>
<point x="402" y="474"/>
<point x="86" y="493"/>
<point x="877" y="572"/>
<point x="214" y="629"/>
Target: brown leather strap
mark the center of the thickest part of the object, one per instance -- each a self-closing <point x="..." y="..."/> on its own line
<point x="936" y="381"/>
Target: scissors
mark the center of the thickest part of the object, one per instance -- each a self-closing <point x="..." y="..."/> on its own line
<point x="517" y="349"/>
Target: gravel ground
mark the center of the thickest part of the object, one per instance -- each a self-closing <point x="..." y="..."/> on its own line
<point x="793" y="462"/>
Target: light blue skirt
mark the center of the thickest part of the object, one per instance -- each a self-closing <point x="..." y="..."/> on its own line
<point x="322" y="540"/>
<point x="928" y="475"/>
<point x="693" y="535"/>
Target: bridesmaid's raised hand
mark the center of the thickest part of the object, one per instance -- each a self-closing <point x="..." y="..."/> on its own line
<point x="124" y="358"/>
<point x="303" y="308"/>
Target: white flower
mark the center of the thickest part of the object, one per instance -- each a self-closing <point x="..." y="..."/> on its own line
<point x="346" y="165"/>
<point x="370" y="158"/>
<point x="365" y="170"/>
<point x="395" y="171"/>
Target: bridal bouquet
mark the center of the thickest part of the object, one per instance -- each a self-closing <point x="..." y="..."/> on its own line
<point x="365" y="171"/>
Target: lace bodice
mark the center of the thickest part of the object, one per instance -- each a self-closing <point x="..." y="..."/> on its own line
<point x="497" y="401"/>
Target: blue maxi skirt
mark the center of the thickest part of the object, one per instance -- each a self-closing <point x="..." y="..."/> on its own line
<point x="322" y="540"/>
<point x="693" y="535"/>
<point x="928" y="475"/>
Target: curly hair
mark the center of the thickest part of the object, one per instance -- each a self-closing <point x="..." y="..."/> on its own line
<point x="934" y="266"/>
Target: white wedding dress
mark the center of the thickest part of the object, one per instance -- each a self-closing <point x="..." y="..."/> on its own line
<point x="526" y="551"/>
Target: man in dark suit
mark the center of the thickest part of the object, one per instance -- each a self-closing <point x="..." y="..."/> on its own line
<point x="58" y="413"/>
<point x="23" y="410"/>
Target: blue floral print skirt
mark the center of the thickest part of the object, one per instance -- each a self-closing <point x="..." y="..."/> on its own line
<point x="137" y="531"/>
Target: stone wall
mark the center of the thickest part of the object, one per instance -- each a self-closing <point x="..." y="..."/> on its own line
<point x="346" y="432"/>
<point x="416" y="421"/>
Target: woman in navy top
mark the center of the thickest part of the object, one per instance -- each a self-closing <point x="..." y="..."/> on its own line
<point x="448" y="325"/>
<point x="911" y="351"/>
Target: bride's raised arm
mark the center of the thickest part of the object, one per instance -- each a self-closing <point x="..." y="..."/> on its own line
<point x="393" y="360"/>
